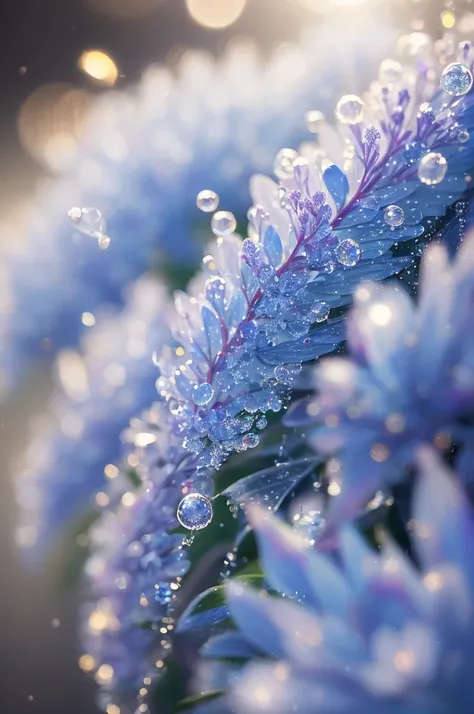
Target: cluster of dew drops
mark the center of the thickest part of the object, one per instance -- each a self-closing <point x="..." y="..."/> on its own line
<point x="195" y="510"/>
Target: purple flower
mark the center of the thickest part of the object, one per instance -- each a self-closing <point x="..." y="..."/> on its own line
<point x="368" y="632"/>
<point x="408" y="380"/>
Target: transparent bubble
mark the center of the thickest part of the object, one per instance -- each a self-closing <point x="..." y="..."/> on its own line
<point x="314" y="120"/>
<point x="348" y="252"/>
<point x="90" y="222"/>
<point x="350" y="109"/>
<point x="432" y="168"/>
<point x="194" y="512"/>
<point x="207" y="201"/>
<point x="283" y="166"/>
<point x="223" y="223"/>
<point x="203" y="394"/>
<point x="456" y="80"/>
<point x="463" y="136"/>
<point x="320" y="311"/>
<point x="394" y="216"/>
<point x="390" y="71"/>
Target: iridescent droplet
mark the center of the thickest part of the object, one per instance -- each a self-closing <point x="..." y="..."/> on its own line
<point x="194" y="512"/>
<point x="390" y="71"/>
<point x="463" y="136"/>
<point x="320" y="311"/>
<point x="432" y="168"/>
<point x="314" y="120"/>
<point x="348" y="252"/>
<point x="207" y="201"/>
<point x="394" y="216"/>
<point x="350" y="109"/>
<point x="203" y="394"/>
<point x="283" y="166"/>
<point x="456" y="79"/>
<point x="223" y="223"/>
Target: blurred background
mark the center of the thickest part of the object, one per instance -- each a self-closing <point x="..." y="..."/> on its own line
<point x="55" y="55"/>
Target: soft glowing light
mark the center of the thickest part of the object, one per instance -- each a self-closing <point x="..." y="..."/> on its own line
<point x="128" y="499"/>
<point x="99" y="66"/>
<point x="86" y="662"/>
<point x="380" y="314"/>
<point x="104" y="674"/>
<point x="215" y="14"/>
<point x="448" y="19"/>
<point x="50" y="121"/>
<point x="88" y="319"/>
<point x="98" y="621"/>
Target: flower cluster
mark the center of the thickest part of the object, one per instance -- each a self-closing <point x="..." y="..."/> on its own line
<point x="97" y="392"/>
<point x="146" y="153"/>
<point x="409" y="380"/>
<point x="352" y="207"/>
<point x="368" y="632"/>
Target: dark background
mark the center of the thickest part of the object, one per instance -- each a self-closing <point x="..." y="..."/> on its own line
<point x="38" y="668"/>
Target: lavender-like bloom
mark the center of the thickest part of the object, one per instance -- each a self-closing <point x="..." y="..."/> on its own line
<point x="97" y="393"/>
<point x="369" y="633"/>
<point x="409" y="380"/>
<point x="245" y="327"/>
<point x="145" y="155"/>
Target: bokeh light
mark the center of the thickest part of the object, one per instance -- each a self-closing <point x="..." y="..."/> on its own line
<point x="215" y="14"/>
<point x="322" y="5"/>
<point x="99" y="66"/>
<point x="50" y="122"/>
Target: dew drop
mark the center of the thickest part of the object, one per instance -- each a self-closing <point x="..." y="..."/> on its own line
<point x="456" y="79"/>
<point x="103" y="241"/>
<point x="348" y="253"/>
<point x="223" y="223"/>
<point x="194" y="512"/>
<point x="207" y="201"/>
<point x="432" y="168"/>
<point x="163" y="593"/>
<point x="463" y="136"/>
<point x="350" y="109"/>
<point x="308" y="525"/>
<point x="203" y="394"/>
<point x="320" y="311"/>
<point x="283" y="166"/>
<point x="314" y="120"/>
<point x="394" y="216"/>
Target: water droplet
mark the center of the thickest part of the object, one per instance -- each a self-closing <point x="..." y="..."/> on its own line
<point x="462" y="207"/>
<point x="394" y="216"/>
<point x="350" y="109"/>
<point x="203" y="394"/>
<point x="308" y="525"/>
<point x="87" y="220"/>
<point x="432" y="168"/>
<point x="348" y="252"/>
<point x="463" y="136"/>
<point x="283" y="166"/>
<point x="314" y="120"/>
<point x="207" y="201"/>
<point x="390" y="71"/>
<point x="223" y="223"/>
<point x="456" y="80"/>
<point x="103" y="241"/>
<point x="320" y="311"/>
<point x="194" y="512"/>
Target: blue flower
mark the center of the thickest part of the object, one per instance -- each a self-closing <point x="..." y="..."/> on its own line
<point x="145" y="155"/>
<point x="409" y="380"/>
<point x="96" y="395"/>
<point x="367" y="632"/>
<point x="259" y="309"/>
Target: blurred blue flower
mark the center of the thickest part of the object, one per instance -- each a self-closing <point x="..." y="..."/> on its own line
<point x="146" y="153"/>
<point x="259" y="309"/>
<point x="97" y="393"/>
<point x="409" y="380"/>
<point x="365" y="633"/>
